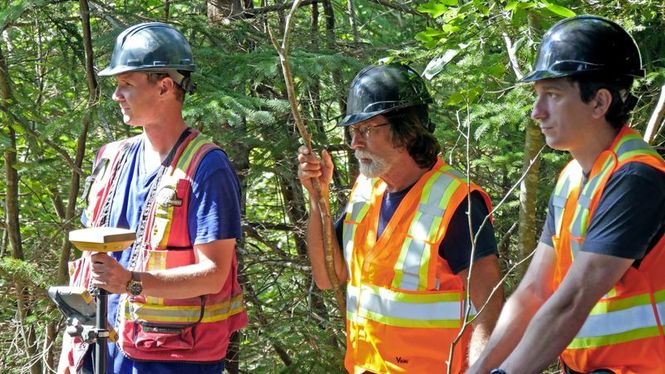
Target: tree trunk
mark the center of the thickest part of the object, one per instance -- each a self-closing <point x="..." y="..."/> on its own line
<point x="218" y="10"/>
<point x="527" y="231"/>
<point x="533" y="141"/>
<point x="352" y="21"/>
<point x="75" y="177"/>
<point x="13" y="225"/>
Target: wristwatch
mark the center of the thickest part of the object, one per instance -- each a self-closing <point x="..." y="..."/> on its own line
<point x="497" y="371"/>
<point x="134" y="286"/>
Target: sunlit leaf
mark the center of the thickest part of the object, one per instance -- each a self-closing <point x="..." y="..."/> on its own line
<point x="560" y="10"/>
<point x="433" y="8"/>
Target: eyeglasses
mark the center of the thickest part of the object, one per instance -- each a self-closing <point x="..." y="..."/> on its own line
<point x="365" y="130"/>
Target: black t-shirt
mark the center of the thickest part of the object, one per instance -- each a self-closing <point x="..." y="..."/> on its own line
<point x="630" y="217"/>
<point x="456" y="245"/>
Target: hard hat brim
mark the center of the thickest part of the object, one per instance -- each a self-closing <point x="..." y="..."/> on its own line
<point x="352" y="119"/>
<point x="542" y="74"/>
<point x="110" y="71"/>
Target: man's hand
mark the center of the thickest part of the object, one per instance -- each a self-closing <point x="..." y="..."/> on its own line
<point x="108" y="274"/>
<point x="310" y="166"/>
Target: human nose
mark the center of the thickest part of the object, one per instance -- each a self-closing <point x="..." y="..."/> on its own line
<point x="117" y="95"/>
<point x="539" y="112"/>
<point x="356" y="139"/>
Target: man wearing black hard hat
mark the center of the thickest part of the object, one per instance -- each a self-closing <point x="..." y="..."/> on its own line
<point x="594" y="292"/>
<point x="175" y="298"/>
<point x="404" y="245"/>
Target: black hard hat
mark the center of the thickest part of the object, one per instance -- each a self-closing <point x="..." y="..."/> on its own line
<point x="151" y="46"/>
<point x="586" y="45"/>
<point x="378" y="89"/>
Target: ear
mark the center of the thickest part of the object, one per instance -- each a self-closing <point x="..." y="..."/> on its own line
<point x="601" y="103"/>
<point x="166" y="85"/>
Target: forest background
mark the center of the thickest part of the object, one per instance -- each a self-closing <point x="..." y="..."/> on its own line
<point x="55" y="113"/>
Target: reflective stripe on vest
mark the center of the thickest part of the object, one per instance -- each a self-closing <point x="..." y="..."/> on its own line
<point x="161" y="225"/>
<point x="412" y="266"/>
<point x="659" y="297"/>
<point x="561" y="193"/>
<point x="630" y="145"/>
<point x="356" y="210"/>
<point x="184" y="314"/>
<point x="618" y="321"/>
<point x="581" y="218"/>
<point x="393" y="308"/>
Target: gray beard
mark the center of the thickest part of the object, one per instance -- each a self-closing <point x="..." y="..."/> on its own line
<point x="375" y="169"/>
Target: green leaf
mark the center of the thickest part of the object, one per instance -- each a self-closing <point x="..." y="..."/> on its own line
<point x="455" y="99"/>
<point x="518" y="5"/>
<point x="434" y="9"/>
<point x="512" y="5"/>
<point x="434" y="33"/>
<point x="485" y="11"/>
<point x="430" y="37"/>
<point x="15" y="10"/>
<point x="560" y="10"/>
<point x="449" y="29"/>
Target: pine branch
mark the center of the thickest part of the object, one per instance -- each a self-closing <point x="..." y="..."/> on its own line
<point x="400" y="7"/>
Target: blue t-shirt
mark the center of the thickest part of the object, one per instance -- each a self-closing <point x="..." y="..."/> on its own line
<point x="456" y="245"/>
<point x="214" y="214"/>
<point x="630" y="217"/>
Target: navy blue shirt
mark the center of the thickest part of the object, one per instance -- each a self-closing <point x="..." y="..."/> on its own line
<point x="456" y="245"/>
<point x="630" y="217"/>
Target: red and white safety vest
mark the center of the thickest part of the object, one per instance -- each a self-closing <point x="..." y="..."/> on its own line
<point x="195" y="329"/>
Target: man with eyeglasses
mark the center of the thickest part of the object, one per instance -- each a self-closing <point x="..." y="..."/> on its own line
<point x="405" y="241"/>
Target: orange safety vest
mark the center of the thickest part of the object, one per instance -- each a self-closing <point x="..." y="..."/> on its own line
<point x="624" y="331"/>
<point x="404" y="304"/>
<point x="195" y="329"/>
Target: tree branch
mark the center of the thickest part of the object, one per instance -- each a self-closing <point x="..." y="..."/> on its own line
<point x="252" y="13"/>
<point x="656" y="120"/>
<point x="400" y="7"/>
<point x="323" y="203"/>
<point x="512" y="56"/>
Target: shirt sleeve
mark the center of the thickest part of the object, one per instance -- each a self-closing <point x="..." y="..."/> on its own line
<point x="456" y="245"/>
<point x="339" y="228"/>
<point x="214" y="211"/>
<point x="548" y="226"/>
<point x="630" y="213"/>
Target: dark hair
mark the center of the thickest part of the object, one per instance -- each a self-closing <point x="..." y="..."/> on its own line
<point x="154" y="77"/>
<point x="409" y="128"/>
<point x="619" y="110"/>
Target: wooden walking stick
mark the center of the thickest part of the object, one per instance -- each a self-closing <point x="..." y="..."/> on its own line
<point x="323" y="203"/>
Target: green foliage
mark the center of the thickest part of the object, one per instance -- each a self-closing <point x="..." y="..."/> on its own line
<point x="241" y="102"/>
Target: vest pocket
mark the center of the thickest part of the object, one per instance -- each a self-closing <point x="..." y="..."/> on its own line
<point x="152" y="337"/>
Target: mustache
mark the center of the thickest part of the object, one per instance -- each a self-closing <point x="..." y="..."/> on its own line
<point x="363" y="154"/>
